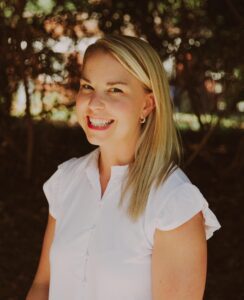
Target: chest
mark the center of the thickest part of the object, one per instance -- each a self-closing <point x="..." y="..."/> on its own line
<point x="97" y="246"/>
<point x="89" y="223"/>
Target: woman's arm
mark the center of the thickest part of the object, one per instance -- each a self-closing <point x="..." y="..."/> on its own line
<point x="179" y="262"/>
<point x="40" y="286"/>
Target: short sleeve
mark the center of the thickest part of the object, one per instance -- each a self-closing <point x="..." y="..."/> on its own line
<point x="52" y="187"/>
<point x="180" y="206"/>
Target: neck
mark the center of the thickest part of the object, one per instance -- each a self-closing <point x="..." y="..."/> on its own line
<point x="111" y="157"/>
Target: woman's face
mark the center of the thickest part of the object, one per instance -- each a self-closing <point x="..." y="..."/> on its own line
<point x="110" y="102"/>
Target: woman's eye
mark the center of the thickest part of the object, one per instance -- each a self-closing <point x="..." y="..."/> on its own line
<point x="86" y="87"/>
<point x="116" y="90"/>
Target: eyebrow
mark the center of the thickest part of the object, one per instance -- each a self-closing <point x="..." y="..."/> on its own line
<point x="108" y="83"/>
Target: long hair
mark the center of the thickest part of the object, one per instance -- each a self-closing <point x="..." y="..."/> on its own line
<point x="158" y="150"/>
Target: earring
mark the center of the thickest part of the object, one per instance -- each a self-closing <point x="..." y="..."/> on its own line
<point x="142" y="120"/>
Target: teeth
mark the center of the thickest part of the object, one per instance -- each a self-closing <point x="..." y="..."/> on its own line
<point x="99" y="122"/>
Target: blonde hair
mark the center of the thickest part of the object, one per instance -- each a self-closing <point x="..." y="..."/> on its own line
<point x="158" y="150"/>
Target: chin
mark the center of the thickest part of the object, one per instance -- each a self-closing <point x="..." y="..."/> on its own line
<point x="95" y="141"/>
<point x="92" y="142"/>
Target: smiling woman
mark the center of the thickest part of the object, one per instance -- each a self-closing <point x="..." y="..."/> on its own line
<point x="109" y="106"/>
<point x="125" y="222"/>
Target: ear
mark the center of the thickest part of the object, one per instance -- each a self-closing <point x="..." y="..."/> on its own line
<point x="149" y="104"/>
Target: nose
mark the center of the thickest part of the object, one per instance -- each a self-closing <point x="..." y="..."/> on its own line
<point x="96" y="102"/>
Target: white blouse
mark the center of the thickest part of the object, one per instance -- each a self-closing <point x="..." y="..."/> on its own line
<point x="98" y="253"/>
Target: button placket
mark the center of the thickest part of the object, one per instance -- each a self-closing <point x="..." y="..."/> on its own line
<point x="111" y="188"/>
<point x="92" y="229"/>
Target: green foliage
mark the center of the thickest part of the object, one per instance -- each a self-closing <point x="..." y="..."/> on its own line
<point x="205" y="37"/>
<point x="39" y="6"/>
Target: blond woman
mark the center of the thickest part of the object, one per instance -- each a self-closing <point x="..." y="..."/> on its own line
<point x="125" y="222"/>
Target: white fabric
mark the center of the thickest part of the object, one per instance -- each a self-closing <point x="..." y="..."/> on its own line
<point x="97" y="252"/>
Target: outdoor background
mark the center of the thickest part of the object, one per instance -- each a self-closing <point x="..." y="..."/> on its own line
<point x="201" y="44"/>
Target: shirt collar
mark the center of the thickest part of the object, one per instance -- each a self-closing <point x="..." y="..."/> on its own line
<point x="92" y="169"/>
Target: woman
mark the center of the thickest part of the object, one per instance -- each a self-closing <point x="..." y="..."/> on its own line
<point x="125" y="222"/>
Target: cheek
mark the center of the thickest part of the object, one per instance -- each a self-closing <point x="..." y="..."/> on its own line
<point x="123" y="108"/>
<point x="80" y="110"/>
<point x="131" y="111"/>
<point x="79" y="104"/>
<point x="78" y="99"/>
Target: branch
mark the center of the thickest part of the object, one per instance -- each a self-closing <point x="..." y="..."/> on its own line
<point x="203" y="142"/>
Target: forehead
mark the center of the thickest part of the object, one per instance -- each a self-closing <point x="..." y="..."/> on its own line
<point x="105" y="64"/>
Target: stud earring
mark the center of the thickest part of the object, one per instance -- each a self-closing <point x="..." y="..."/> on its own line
<point x="142" y="120"/>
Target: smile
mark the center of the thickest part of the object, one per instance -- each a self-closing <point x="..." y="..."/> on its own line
<point x="96" y="123"/>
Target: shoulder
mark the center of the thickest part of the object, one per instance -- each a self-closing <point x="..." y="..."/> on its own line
<point x="67" y="173"/>
<point x="174" y="181"/>
<point x="175" y="201"/>
<point x="176" y="194"/>
<point x="77" y="163"/>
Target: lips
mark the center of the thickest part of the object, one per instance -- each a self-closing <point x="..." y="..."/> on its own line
<point x="99" y="123"/>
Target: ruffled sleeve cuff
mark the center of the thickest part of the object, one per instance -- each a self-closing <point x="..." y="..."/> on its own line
<point x="181" y="205"/>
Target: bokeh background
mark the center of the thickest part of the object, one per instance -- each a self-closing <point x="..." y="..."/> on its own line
<point x="201" y="43"/>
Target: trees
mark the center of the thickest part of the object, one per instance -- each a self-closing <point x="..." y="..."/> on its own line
<point x="205" y="38"/>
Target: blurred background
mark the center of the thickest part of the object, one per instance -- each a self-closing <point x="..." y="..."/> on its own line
<point x="201" y="43"/>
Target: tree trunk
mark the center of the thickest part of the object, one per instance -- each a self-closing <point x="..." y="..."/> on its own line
<point x="30" y="135"/>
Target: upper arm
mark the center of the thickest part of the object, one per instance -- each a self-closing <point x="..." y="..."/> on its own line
<point x="42" y="275"/>
<point x="179" y="261"/>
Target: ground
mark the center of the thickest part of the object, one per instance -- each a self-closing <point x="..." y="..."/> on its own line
<point x="23" y="206"/>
